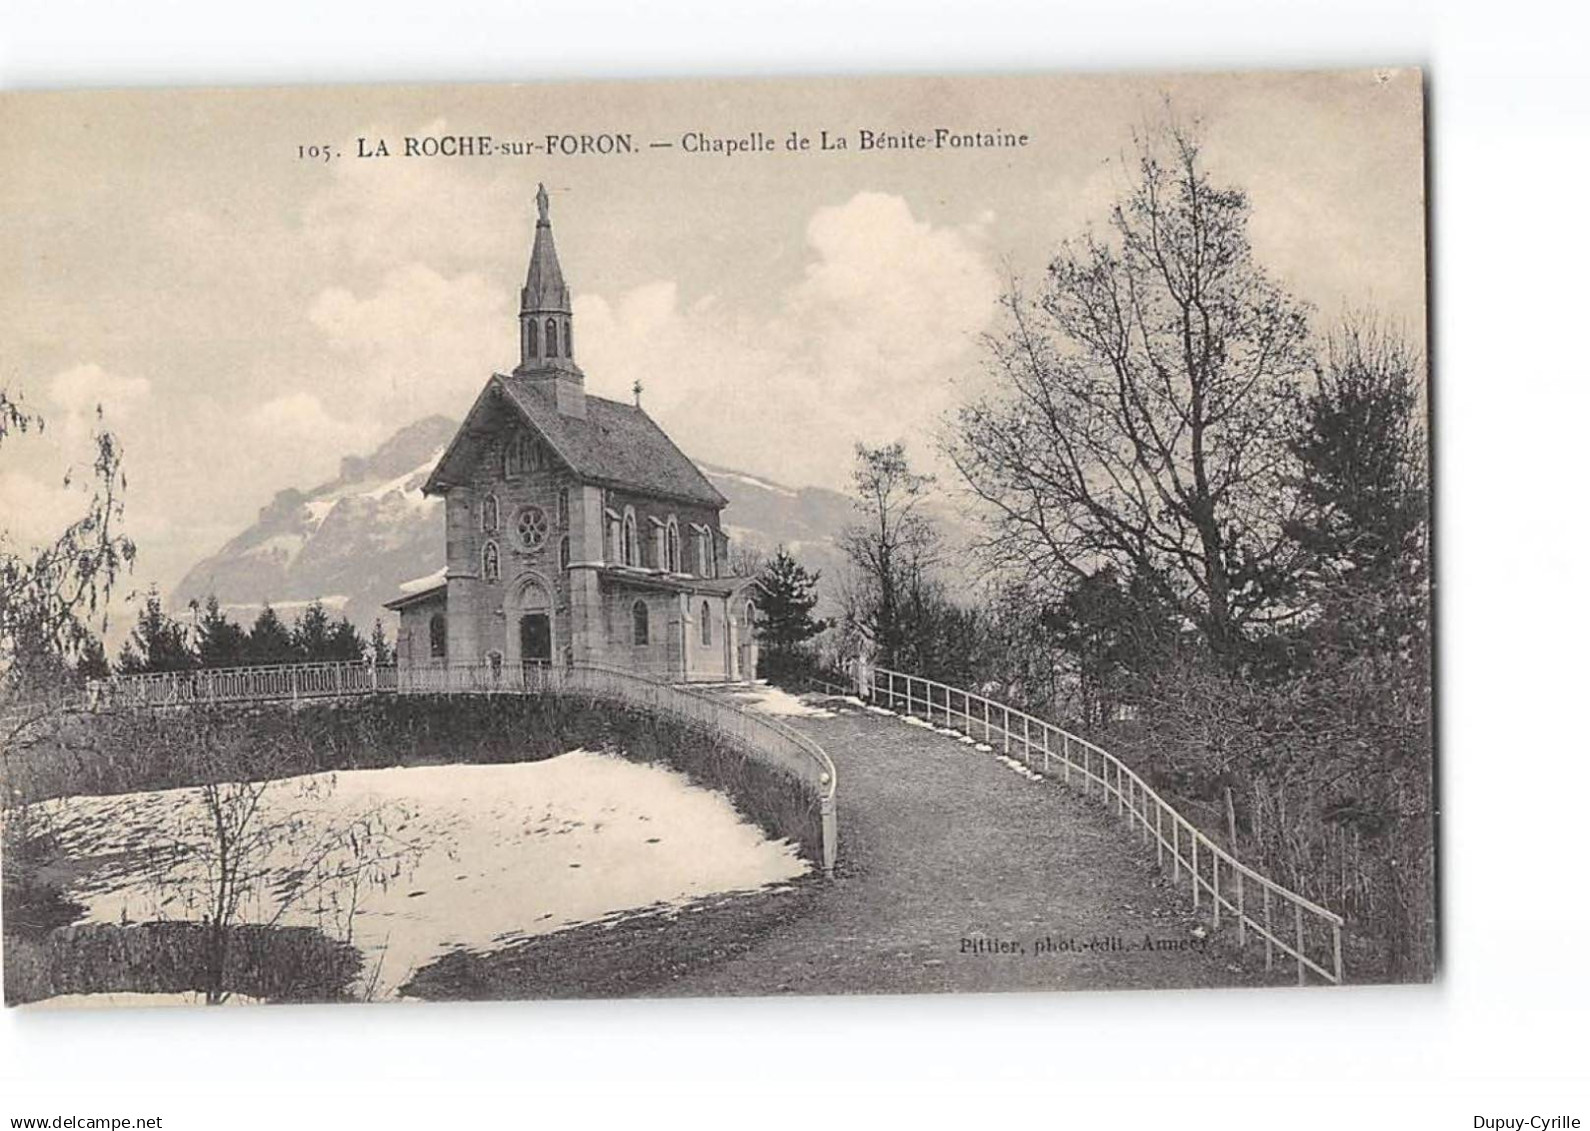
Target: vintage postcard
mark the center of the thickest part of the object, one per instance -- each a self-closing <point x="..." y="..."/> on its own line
<point x="715" y="537"/>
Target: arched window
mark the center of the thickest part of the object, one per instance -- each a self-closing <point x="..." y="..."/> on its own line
<point x="521" y="455"/>
<point x="563" y="552"/>
<point x="640" y="623"/>
<point x="490" y="514"/>
<point x="706" y="623"/>
<point x="563" y="508"/>
<point x="631" y="541"/>
<point x="568" y="339"/>
<point x="673" y="544"/>
<point x="750" y="614"/>
<point x="438" y="636"/>
<point x="552" y="338"/>
<point x="490" y="563"/>
<point x="530" y="337"/>
<point x="712" y="555"/>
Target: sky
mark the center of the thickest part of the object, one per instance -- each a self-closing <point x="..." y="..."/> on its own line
<point x="245" y="316"/>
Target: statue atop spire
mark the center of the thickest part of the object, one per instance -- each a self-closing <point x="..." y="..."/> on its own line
<point x="546" y="320"/>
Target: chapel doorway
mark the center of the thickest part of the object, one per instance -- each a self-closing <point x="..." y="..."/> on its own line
<point x="535" y="638"/>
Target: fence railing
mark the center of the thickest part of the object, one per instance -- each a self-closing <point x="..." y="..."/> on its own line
<point x="760" y="737"/>
<point x="1285" y="921"/>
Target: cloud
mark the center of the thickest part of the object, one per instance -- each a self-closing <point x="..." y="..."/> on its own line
<point x="420" y="342"/>
<point x="864" y="345"/>
<point x="300" y="418"/>
<point x="80" y="392"/>
<point x="369" y="216"/>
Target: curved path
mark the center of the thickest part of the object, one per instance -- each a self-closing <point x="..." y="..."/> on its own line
<point x="955" y="868"/>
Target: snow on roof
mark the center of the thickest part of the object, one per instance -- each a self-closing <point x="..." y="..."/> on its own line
<point x="420" y="584"/>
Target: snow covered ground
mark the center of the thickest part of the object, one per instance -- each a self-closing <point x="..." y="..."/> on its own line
<point x="495" y="853"/>
<point x="768" y="700"/>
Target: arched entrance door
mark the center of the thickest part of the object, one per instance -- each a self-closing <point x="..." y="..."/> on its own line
<point x="535" y="638"/>
<point x="528" y="610"/>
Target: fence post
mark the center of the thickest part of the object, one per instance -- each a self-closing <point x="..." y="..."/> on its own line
<point x="1046" y="748"/>
<point x="1026" y="739"/>
<point x="1194" y="870"/>
<point x="1006" y="728"/>
<point x="1175" y="852"/>
<point x="830" y="835"/>
<point x="1302" y="971"/>
<point x="1065" y="755"/>
<point x="1242" y="918"/>
<point x="1159" y="836"/>
<point x="986" y="731"/>
<point x="1336" y="950"/>
<point x="1269" y="932"/>
<point x="1214" y="871"/>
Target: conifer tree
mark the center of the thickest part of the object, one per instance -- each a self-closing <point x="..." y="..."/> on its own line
<point x="380" y="647"/>
<point x="786" y="596"/>
<point x="222" y="644"/>
<point x="157" y="644"/>
<point x="270" y="641"/>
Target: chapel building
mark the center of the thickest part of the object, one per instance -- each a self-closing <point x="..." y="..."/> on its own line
<point x="576" y="531"/>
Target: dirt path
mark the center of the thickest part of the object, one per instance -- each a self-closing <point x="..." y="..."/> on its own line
<point x="955" y="870"/>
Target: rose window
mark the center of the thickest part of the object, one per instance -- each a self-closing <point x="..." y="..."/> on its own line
<point x="532" y="525"/>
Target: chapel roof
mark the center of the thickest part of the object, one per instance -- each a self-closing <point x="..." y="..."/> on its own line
<point x="614" y="444"/>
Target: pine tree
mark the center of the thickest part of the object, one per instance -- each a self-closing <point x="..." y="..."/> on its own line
<point x="270" y="641"/>
<point x="380" y="649"/>
<point x="787" y="594"/>
<point x="312" y="634"/>
<point x="91" y="660"/>
<point x="345" y="642"/>
<point x="222" y="644"/>
<point x="158" y="643"/>
<point x="1364" y="522"/>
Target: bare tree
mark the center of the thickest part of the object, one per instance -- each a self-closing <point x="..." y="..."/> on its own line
<point x="255" y="848"/>
<point x="891" y="547"/>
<point x="1141" y="410"/>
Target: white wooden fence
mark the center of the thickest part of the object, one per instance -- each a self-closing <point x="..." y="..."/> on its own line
<point x="1282" y="919"/>
<point x="764" y="739"/>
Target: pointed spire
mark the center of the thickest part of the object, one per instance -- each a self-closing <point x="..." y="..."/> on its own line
<point x="545" y="292"/>
<point x="546" y="321"/>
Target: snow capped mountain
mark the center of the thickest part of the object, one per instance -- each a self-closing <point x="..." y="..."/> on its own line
<point x="367" y="535"/>
<point x="349" y="543"/>
<point x="353" y="542"/>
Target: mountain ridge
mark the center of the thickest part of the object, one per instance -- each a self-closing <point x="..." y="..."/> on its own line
<point x="352" y="541"/>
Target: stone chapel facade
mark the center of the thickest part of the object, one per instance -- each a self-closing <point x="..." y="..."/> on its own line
<point x="576" y="531"/>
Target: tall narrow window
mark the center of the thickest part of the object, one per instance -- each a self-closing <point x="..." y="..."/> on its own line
<point x="530" y="337"/>
<point x="438" y="636"/>
<point x="631" y="541"/>
<point x="672" y="545"/>
<point x="706" y="624"/>
<point x="641" y="623"/>
<point x="563" y="508"/>
<point x="490" y="563"/>
<point x="490" y="515"/>
<point x="563" y="552"/>
<point x="552" y="338"/>
<point x="568" y="339"/>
